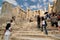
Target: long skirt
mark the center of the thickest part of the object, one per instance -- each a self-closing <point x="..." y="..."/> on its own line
<point x="7" y="35"/>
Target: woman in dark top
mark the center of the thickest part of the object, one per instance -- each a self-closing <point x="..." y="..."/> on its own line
<point x="7" y="30"/>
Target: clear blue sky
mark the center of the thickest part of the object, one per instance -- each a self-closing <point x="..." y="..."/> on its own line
<point x="32" y="4"/>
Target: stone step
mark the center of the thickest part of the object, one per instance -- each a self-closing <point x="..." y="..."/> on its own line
<point x="27" y="32"/>
<point x="31" y="35"/>
<point x="33" y="38"/>
<point x="34" y="32"/>
<point x="31" y="31"/>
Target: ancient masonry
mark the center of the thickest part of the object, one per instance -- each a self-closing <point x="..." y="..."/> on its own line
<point x="9" y="10"/>
<point x="56" y="6"/>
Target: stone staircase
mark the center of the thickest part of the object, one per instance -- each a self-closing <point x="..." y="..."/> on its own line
<point x="29" y="35"/>
<point x="29" y="31"/>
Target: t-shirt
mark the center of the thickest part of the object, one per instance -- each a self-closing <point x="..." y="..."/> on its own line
<point x="43" y="22"/>
<point x="8" y="31"/>
<point x="38" y="18"/>
<point x="54" y="19"/>
<point x="8" y="26"/>
<point x="58" y="23"/>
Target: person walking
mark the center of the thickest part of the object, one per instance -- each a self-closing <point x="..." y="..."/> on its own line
<point x="38" y="21"/>
<point x="54" y="20"/>
<point x="13" y="18"/>
<point x="58" y="21"/>
<point x="44" y="25"/>
<point x="8" y="30"/>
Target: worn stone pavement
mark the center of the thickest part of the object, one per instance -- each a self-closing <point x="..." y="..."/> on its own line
<point x="29" y="31"/>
